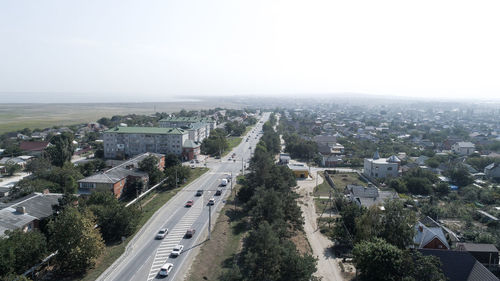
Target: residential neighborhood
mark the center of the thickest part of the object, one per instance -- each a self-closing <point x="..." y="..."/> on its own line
<point x="437" y="168"/>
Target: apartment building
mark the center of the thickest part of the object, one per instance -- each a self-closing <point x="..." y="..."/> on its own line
<point x="124" y="142"/>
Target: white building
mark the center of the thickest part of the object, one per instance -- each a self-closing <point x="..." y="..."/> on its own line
<point x="129" y="141"/>
<point x="379" y="168"/>
<point x="463" y="148"/>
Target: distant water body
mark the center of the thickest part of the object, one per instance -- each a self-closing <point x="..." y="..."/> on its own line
<point x="90" y="98"/>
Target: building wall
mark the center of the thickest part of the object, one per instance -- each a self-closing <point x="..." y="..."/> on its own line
<point x="462" y="150"/>
<point x="122" y="145"/>
<point x="380" y="170"/>
<point x="118" y="188"/>
<point x="301" y="174"/>
<point x="435" y="244"/>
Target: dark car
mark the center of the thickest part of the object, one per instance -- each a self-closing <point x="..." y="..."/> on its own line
<point x="218" y="192"/>
<point x="199" y="192"/>
<point x="190" y="233"/>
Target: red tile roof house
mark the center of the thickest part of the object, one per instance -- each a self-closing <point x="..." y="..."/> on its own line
<point x="34" y="148"/>
<point x="117" y="178"/>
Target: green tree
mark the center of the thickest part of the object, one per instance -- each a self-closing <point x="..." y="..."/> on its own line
<point x="345" y="228"/>
<point x="378" y="260"/>
<point x="133" y="188"/>
<point x="171" y="160"/>
<point x="61" y="150"/>
<point x="442" y="188"/>
<point x="460" y="176"/>
<point x="38" y="166"/>
<point x="216" y="143"/>
<point x="176" y="173"/>
<point x="113" y="218"/>
<point x="12" y="169"/>
<point x="24" y="249"/>
<point x="78" y="242"/>
<point x="150" y="165"/>
<point x="397" y="224"/>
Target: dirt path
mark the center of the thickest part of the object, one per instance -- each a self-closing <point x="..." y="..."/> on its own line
<point x="328" y="267"/>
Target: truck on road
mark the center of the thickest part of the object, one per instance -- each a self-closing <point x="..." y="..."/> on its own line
<point x="223" y="182"/>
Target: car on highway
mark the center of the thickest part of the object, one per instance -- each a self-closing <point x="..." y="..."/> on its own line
<point x="218" y="192"/>
<point x="177" y="250"/>
<point x="165" y="269"/>
<point x="211" y="201"/>
<point x="199" y="192"/>
<point x="189" y="203"/>
<point x="189" y="233"/>
<point x="162" y="233"/>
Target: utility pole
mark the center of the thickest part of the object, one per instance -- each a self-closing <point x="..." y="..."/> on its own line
<point x="176" y="179"/>
<point x="209" y="220"/>
<point x="231" y="182"/>
<point x="242" y="166"/>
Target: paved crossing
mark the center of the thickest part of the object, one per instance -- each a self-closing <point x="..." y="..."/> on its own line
<point x="174" y="237"/>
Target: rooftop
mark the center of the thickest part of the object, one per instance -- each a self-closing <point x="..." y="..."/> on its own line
<point x="37" y="205"/>
<point x="477" y="247"/>
<point x="298" y="167"/>
<point x="33" y="145"/>
<point x="193" y="119"/>
<point x="460" y="266"/>
<point x="126" y="168"/>
<point x="146" y="130"/>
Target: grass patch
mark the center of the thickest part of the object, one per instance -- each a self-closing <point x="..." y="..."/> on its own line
<point x="320" y="204"/>
<point x="224" y="245"/>
<point x="322" y="189"/>
<point x="342" y="179"/>
<point x="158" y="199"/>
<point x="232" y="143"/>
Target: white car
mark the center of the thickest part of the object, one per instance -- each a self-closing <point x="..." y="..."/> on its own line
<point x="211" y="201"/>
<point x="177" y="250"/>
<point x="165" y="269"/>
<point x="162" y="233"/>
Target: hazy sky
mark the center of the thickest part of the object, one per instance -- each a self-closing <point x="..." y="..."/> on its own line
<point x="155" y="49"/>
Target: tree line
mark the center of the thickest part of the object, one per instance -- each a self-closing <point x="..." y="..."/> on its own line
<point x="272" y="217"/>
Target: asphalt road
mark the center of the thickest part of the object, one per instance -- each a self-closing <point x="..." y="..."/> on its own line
<point x="145" y="255"/>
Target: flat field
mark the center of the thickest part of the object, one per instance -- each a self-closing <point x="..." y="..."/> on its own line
<point x="17" y="116"/>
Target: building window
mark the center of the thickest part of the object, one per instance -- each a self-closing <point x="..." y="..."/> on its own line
<point x="389" y="169"/>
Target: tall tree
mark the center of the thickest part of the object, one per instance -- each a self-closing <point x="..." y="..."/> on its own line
<point x="78" y="242"/>
<point x="61" y="150"/>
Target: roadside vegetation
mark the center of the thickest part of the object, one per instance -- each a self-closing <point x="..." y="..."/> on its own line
<point x="271" y="217"/>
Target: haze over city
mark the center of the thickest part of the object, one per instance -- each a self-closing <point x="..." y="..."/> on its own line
<point x="61" y="51"/>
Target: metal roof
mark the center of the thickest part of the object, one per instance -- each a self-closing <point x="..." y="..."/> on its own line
<point x="146" y="130"/>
